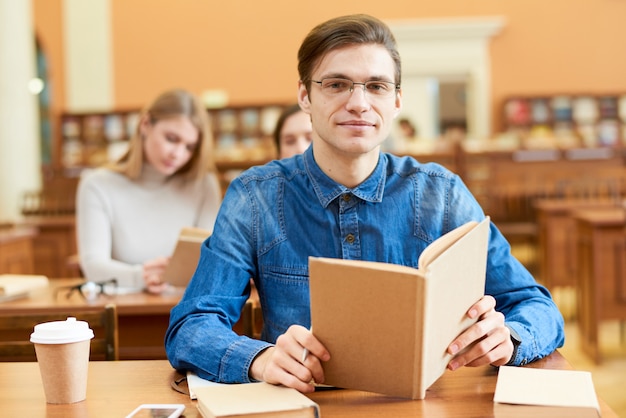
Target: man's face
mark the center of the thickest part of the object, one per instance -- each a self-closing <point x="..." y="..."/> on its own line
<point x="357" y="122"/>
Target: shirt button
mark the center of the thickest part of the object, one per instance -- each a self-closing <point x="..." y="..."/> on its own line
<point x="350" y="238"/>
<point x="346" y="197"/>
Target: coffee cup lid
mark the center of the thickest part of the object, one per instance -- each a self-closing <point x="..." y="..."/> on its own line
<point x="61" y="332"/>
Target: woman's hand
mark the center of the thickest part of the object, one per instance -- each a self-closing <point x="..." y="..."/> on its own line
<point x="153" y="274"/>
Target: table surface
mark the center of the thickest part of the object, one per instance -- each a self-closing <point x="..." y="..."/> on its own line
<point x="48" y="299"/>
<point x="116" y="388"/>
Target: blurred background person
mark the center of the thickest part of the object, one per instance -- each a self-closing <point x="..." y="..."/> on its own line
<point x="130" y="212"/>
<point x="293" y="131"/>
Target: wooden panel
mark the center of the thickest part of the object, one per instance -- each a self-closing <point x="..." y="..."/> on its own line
<point x="600" y="244"/>
<point x="16" y="250"/>
<point x="54" y="244"/>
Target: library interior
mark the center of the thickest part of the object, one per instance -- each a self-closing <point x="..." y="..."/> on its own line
<point x="524" y="101"/>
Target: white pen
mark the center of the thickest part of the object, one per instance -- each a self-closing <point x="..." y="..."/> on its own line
<point x="305" y="351"/>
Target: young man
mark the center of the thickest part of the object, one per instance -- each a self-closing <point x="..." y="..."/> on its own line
<point x="342" y="198"/>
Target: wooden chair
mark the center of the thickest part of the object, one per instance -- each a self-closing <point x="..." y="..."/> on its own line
<point x="15" y="332"/>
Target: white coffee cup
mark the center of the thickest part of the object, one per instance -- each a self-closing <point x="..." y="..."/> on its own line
<point x="62" y="349"/>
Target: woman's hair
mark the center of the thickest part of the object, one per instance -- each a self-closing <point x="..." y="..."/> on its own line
<point x="288" y="111"/>
<point x="340" y="32"/>
<point x="167" y="105"/>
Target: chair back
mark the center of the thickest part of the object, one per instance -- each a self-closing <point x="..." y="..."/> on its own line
<point x="15" y="332"/>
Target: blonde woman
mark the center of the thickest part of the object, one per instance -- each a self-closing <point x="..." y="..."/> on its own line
<point x="129" y="213"/>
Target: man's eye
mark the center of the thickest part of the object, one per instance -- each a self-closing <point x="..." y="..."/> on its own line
<point x="337" y="85"/>
<point x="377" y="86"/>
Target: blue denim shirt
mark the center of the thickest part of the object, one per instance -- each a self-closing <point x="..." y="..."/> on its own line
<point x="273" y="217"/>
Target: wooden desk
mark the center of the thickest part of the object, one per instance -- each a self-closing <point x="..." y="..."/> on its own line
<point x="556" y="238"/>
<point x="143" y="318"/>
<point x="16" y="250"/>
<point x="116" y="388"/>
<point x="601" y="250"/>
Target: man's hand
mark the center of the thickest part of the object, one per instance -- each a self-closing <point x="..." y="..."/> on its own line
<point x="285" y="364"/>
<point x="488" y="341"/>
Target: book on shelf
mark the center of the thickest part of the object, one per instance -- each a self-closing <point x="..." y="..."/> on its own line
<point x="255" y="400"/>
<point x="528" y="392"/>
<point x="387" y="326"/>
<point x="517" y="111"/>
<point x="17" y="286"/>
<point x="184" y="260"/>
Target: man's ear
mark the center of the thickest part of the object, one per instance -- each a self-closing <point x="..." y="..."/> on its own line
<point x="303" y="98"/>
<point x="398" y="103"/>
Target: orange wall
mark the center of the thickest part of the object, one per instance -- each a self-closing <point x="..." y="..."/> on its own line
<point x="249" y="48"/>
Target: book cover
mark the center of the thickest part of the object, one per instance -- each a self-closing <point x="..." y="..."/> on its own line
<point x="529" y="392"/>
<point x="254" y="399"/>
<point x="185" y="257"/>
<point x="388" y="327"/>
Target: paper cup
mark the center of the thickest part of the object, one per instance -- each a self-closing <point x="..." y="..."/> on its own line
<point x="62" y="349"/>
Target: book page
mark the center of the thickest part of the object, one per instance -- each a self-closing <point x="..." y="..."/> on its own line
<point x="442" y="243"/>
<point x="455" y="280"/>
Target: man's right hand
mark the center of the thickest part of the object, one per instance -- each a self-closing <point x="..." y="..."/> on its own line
<point x="284" y="364"/>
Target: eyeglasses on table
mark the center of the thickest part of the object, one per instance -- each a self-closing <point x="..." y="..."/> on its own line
<point x="90" y="290"/>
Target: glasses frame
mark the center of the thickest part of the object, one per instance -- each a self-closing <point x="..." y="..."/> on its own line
<point x="363" y="85"/>
<point x="99" y="285"/>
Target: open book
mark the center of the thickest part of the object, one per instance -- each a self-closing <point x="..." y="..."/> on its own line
<point x="388" y="327"/>
<point x="185" y="258"/>
<point x="254" y="399"/>
<point x="16" y="286"/>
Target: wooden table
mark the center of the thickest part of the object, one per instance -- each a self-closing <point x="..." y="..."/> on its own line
<point x="143" y="318"/>
<point x="116" y="388"/>
<point x="601" y="251"/>
<point x="556" y="238"/>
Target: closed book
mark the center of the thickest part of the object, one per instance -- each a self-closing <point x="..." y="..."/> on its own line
<point x="184" y="260"/>
<point x="15" y="286"/>
<point x="529" y="392"/>
<point x="388" y="327"/>
<point x="254" y="400"/>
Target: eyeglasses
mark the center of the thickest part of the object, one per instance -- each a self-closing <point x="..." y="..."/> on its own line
<point x="334" y="87"/>
<point x="91" y="290"/>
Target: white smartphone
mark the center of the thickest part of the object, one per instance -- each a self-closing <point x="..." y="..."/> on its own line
<point x="157" y="411"/>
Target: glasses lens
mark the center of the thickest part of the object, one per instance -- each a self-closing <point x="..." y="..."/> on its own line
<point x="110" y="287"/>
<point x="89" y="290"/>
<point x="333" y="86"/>
<point x="380" y="88"/>
<point x="374" y="88"/>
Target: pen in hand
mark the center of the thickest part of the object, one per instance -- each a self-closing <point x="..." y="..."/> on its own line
<point x="305" y="351"/>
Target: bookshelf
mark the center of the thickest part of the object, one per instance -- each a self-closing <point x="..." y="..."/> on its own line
<point x="242" y="136"/>
<point x="569" y="120"/>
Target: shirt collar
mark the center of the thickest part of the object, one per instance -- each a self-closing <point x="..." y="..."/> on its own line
<point x="327" y="189"/>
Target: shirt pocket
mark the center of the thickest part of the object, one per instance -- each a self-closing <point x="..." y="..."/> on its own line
<point x="284" y="296"/>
